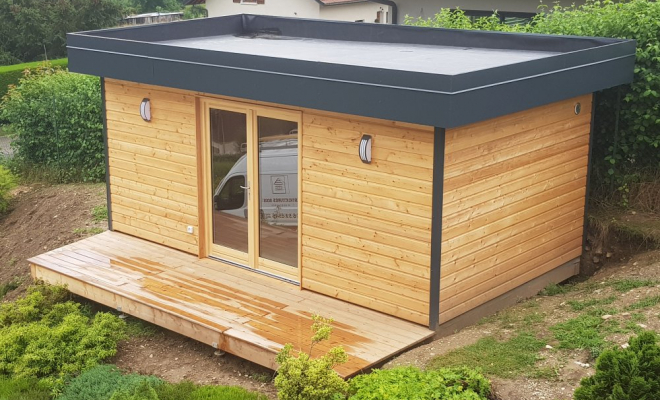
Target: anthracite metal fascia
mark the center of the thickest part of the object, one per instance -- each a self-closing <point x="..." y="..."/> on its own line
<point x="425" y="107"/>
<point x="582" y="65"/>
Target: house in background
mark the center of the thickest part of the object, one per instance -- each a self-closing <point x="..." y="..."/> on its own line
<point x="153" y="18"/>
<point x="379" y="11"/>
<point x="338" y="10"/>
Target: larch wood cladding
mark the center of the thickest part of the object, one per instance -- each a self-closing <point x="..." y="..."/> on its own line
<point x="153" y="165"/>
<point x="366" y="228"/>
<point x="514" y="196"/>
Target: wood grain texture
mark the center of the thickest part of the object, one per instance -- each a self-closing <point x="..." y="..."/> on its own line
<point x="153" y="165"/>
<point x="246" y="314"/>
<point x="366" y="228"/>
<point x="514" y="198"/>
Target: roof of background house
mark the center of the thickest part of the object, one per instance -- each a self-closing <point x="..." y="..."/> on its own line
<point x="322" y="2"/>
<point x="437" y="77"/>
<point x="339" y="2"/>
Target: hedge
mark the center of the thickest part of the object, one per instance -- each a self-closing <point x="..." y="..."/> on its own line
<point x="57" y="125"/>
<point x="10" y="74"/>
<point x="627" y="125"/>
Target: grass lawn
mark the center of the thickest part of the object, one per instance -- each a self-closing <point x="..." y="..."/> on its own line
<point x="57" y="62"/>
<point x="592" y="314"/>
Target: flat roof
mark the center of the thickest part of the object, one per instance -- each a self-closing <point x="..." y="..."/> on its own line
<point x="438" y="77"/>
<point x="429" y="59"/>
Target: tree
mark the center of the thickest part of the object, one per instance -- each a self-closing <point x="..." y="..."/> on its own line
<point x="31" y="30"/>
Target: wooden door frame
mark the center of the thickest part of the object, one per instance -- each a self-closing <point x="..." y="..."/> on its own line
<point x="251" y="259"/>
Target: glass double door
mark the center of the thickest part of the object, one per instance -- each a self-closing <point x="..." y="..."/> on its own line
<point x="252" y="186"/>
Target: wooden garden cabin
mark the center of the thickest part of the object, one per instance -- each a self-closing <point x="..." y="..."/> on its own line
<point x="398" y="179"/>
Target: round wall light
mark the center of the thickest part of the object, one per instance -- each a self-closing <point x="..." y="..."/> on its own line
<point x="365" y="149"/>
<point x="145" y="109"/>
<point x="578" y="108"/>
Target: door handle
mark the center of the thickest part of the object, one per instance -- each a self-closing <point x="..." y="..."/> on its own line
<point x="245" y="187"/>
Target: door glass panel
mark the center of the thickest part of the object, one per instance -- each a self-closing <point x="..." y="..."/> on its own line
<point x="228" y="178"/>
<point x="278" y="190"/>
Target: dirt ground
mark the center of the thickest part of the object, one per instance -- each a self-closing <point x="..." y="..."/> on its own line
<point x="47" y="217"/>
<point x="175" y="358"/>
<point x="44" y="218"/>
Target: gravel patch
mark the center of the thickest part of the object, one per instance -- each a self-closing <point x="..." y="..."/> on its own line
<point x="5" y="148"/>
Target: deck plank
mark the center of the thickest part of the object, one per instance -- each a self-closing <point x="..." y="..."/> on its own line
<point x="246" y="314"/>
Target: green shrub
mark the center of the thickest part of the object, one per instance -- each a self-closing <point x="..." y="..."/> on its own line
<point x="56" y="120"/>
<point x="11" y="74"/>
<point x="22" y="389"/>
<point x="223" y="393"/>
<point x="625" y="374"/>
<point x="189" y="391"/>
<point x="143" y="391"/>
<point x="101" y="382"/>
<point x="106" y="382"/>
<point x="7" y="183"/>
<point x="411" y="383"/>
<point x="627" y="148"/>
<point x="9" y="286"/>
<point x="42" y="337"/>
<point x="176" y="391"/>
<point x="306" y="378"/>
<point x="37" y="302"/>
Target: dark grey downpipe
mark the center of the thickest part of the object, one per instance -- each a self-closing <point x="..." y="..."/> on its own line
<point x="395" y="9"/>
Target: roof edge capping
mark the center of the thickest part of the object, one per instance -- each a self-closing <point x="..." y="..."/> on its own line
<point x="404" y="95"/>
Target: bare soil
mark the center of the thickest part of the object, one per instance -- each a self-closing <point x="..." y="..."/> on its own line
<point x="174" y="358"/>
<point x="47" y="217"/>
<point x="44" y="218"/>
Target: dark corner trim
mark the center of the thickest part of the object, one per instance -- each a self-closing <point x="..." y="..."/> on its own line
<point x="105" y="150"/>
<point x="436" y="226"/>
<point x="585" y="222"/>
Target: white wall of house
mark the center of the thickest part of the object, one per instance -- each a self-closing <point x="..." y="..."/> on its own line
<point x="366" y="12"/>
<point x="279" y="8"/>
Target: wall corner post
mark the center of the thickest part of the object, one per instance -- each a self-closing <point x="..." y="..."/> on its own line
<point x="436" y="226"/>
<point x="105" y="150"/>
<point x="585" y="226"/>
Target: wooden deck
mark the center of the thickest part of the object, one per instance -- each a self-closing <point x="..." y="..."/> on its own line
<point x="241" y="312"/>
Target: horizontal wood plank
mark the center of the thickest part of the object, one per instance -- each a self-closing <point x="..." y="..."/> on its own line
<point x="366" y="228"/>
<point x="234" y="310"/>
<point x="514" y="194"/>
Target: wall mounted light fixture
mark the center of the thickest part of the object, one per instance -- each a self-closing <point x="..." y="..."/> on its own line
<point x="365" y="149"/>
<point x="145" y="109"/>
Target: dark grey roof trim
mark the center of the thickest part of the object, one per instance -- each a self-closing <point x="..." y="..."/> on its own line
<point x="583" y="65"/>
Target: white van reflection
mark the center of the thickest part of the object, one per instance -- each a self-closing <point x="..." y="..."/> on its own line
<point x="278" y="174"/>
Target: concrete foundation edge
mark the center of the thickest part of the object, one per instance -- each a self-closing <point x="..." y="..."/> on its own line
<point x="509" y="298"/>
